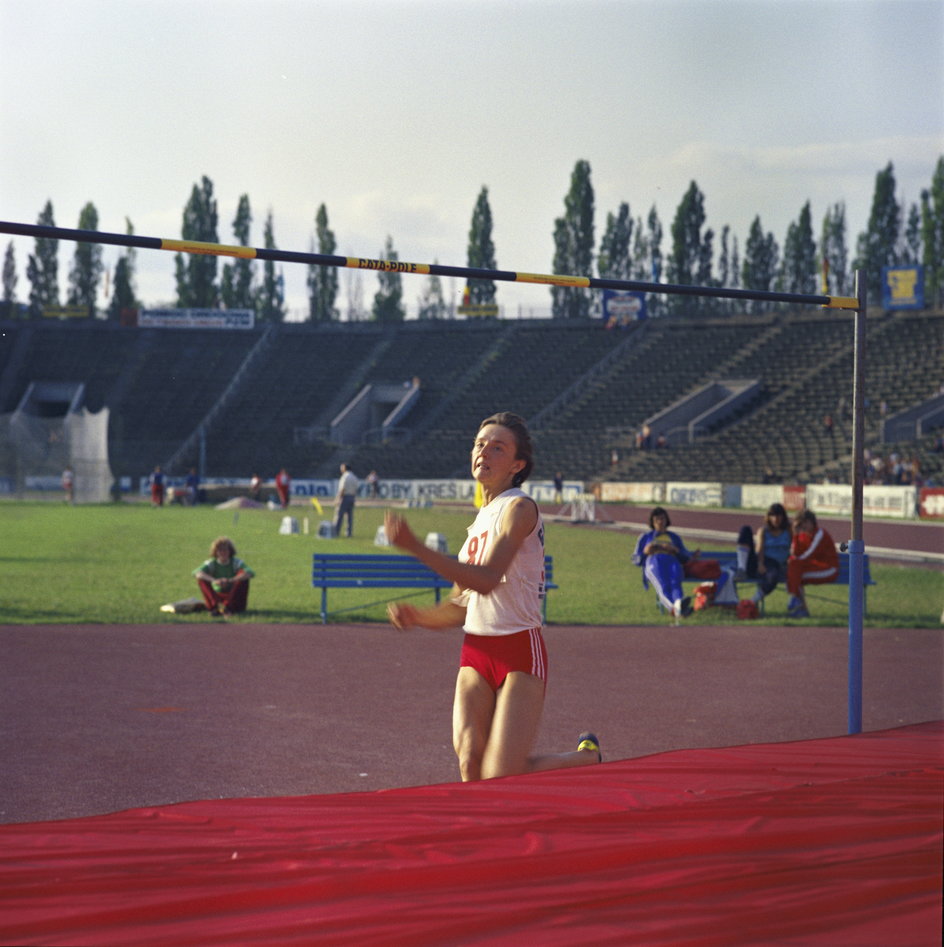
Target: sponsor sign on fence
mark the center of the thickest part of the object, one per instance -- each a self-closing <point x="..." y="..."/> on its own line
<point x="693" y="494"/>
<point x="931" y="503"/>
<point x="876" y="500"/>
<point x="196" y="318"/>
<point x="632" y="492"/>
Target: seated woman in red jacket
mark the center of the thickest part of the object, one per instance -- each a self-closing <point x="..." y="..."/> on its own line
<point x="813" y="561"/>
<point x="224" y="579"/>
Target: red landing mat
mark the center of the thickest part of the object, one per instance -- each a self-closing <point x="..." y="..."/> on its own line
<point x="822" y="842"/>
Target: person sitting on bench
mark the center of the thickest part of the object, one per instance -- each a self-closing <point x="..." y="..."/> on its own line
<point x="764" y="557"/>
<point x="813" y="561"/>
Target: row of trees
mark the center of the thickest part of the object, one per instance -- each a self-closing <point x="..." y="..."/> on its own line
<point x="630" y="248"/>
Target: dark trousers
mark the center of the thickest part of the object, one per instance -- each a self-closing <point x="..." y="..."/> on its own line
<point x="774" y="573"/>
<point x="345" y="508"/>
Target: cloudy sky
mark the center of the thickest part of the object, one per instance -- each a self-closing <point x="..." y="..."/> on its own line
<point x="395" y="113"/>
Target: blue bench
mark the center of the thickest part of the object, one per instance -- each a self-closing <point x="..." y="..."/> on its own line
<point x="375" y="571"/>
<point x="727" y="559"/>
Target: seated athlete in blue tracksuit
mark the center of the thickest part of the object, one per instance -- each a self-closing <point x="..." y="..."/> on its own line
<point x="662" y="555"/>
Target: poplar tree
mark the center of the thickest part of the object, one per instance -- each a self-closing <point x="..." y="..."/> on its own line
<point x="911" y="247"/>
<point x="481" y="253"/>
<point x="388" y="301"/>
<point x="614" y="260"/>
<point x="236" y="290"/>
<point x="196" y="273"/>
<point x="689" y="262"/>
<point x="759" y="269"/>
<point x="87" y="267"/>
<point x="728" y="268"/>
<point x="9" y="282"/>
<point x="932" y="236"/>
<point x="123" y="295"/>
<point x="42" y="268"/>
<point x="647" y="257"/>
<point x="561" y="264"/>
<point x="833" y="248"/>
<point x="432" y="304"/>
<point x="323" y="280"/>
<point x="878" y="245"/>
<point x="573" y="246"/>
<point x="798" y="269"/>
<point x="270" y="297"/>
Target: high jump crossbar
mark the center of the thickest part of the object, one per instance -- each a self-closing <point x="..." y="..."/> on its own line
<point x="856" y="303"/>
<point x="429" y="269"/>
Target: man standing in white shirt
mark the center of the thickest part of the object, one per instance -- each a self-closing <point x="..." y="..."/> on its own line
<point x="344" y="501"/>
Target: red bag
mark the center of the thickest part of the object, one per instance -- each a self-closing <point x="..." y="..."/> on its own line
<point x="704" y="596"/>
<point x="747" y="609"/>
<point x="703" y="569"/>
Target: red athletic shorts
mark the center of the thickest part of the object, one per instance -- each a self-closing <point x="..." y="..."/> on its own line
<point x="496" y="656"/>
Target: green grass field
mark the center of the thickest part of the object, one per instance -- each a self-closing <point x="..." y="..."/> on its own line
<point x="120" y="563"/>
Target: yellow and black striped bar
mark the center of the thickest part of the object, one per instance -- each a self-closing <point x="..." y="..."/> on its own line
<point x="431" y="269"/>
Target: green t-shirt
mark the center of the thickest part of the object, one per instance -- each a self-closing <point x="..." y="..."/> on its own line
<point x="220" y="570"/>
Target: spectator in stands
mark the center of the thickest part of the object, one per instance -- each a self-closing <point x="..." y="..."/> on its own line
<point x="661" y="441"/>
<point x="767" y="560"/>
<point x="498" y="588"/>
<point x="661" y="554"/>
<point x="255" y="488"/>
<point x="283" y="486"/>
<point x="68" y="484"/>
<point x="344" y="501"/>
<point x="224" y="579"/>
<point x="813" y="561"/>
<point x="157" y="487"/>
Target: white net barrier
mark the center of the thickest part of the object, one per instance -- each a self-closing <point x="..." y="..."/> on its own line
<point x="34" y="452"/>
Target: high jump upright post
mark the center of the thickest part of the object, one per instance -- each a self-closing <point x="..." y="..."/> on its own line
<point x="857" y="303"/>
<point x="857" y="542"/>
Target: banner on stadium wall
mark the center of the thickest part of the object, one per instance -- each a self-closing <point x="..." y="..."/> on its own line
<point x="196" y="318"/>
<point x="876" y="500"/>
<point x="621" y="307"/>
<point x="542" y="491"/>
<point x="903" y="287"/>
<point x="462" y="491"/>
<point x="759" y="496"/>
<point x="632" y="492"/>
<point x="931" y="503"/>
<point x="693" y="494"/>
<point x="794" y="499"/>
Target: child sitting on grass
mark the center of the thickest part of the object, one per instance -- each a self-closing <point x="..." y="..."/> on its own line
<point x="224" y="579"/>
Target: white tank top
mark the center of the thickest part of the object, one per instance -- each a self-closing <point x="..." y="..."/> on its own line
<point x="515" y="603"/>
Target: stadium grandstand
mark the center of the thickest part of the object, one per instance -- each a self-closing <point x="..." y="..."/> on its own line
<point x="739" y="399"/>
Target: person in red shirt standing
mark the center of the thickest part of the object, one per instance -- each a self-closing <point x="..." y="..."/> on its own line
<point x="157" y="487"/>
<point x="283" y="483"/>
<point x="813" y="561"/>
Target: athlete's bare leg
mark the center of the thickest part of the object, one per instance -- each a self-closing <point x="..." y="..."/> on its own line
<point x="515" y="730"/>
<point x="472" y="713"/>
